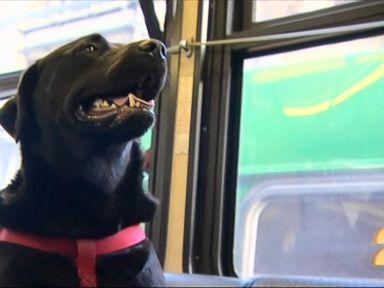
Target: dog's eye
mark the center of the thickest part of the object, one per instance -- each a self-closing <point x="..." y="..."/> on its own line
<point x="90" y="48"/>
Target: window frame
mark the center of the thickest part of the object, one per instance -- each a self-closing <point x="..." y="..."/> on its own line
<point x="211" y="227"/>
<point x="163" y="135"/>
<point x="321" y="17"/>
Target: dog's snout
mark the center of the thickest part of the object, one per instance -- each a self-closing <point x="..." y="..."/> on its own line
<point x="154" y="47"/>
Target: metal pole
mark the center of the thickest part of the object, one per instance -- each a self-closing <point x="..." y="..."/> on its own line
<point x="186" y="45"/>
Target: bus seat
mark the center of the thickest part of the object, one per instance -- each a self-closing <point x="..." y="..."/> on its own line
<point x="199" y="280"/>
<point x="309" y="281"/>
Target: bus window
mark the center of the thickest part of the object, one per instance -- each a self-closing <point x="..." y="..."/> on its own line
<point x="310" y="190"/>
<point x="272" y="9"/>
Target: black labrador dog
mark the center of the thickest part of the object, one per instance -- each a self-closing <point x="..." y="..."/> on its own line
<point x="76" y="115"/>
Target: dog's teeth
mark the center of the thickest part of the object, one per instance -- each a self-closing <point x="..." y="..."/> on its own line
<point x="105" y="104"/>
<point x="138" y="104"/>
<point x="97" y="102"/>
<point x="131" y="100"/>
<point x="113" y="106"/>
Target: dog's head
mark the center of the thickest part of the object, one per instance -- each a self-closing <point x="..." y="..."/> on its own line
<point x="88" y="93"/>
<point x="91" y="86"/>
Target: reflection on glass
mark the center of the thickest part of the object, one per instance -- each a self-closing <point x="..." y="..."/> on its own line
<point x="264" y="10"/>
<point x="33" y="28"/>
<point x="308" y="116"/>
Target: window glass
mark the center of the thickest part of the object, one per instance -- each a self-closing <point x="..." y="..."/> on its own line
<point x="271" y="9"/>
<point x="310" y="194"/>
<point x="9" y="156"/>
<point x="34" y="28"/>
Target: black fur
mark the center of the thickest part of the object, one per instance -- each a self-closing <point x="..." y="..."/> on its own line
<point x="79" y="179"/>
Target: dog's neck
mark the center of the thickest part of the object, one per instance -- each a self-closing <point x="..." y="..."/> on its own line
<point x="106" y="171"/>
<point x="82" y="206"/>
<point x="100" y="170"/>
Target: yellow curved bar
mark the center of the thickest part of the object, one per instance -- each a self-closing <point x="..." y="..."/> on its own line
<point x="307" y="111"/>
<point x="345" y="95"/>
<point x="365" y="82"/>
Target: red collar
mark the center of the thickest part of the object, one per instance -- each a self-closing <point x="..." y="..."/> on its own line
<point x="84" y="250"/>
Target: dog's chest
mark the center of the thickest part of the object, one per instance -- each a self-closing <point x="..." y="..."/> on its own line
<point x="21" y="266"/>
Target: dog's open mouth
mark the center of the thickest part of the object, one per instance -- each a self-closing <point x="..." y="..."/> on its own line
<point x="101" y="107"/>
<point x="113" y="107"/>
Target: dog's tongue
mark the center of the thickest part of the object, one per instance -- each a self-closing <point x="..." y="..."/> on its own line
<point x="120" y="101"/>
<point x="131" y="98"/>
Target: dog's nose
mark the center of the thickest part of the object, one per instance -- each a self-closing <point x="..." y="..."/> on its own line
<point x="154" y="47"/>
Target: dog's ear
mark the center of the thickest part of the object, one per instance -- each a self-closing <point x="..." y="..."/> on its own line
<point x="140" y="206"/>
<point x="15" y="114"/>
<point x="8" y="115"/>
<point x="146" y="203"/>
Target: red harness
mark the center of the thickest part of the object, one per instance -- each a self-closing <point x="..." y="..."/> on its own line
<point x="84" y="251"/>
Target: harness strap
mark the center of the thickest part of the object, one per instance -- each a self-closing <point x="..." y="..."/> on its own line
<point x="84" y="251"/>
<point x="86" y="262"/>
